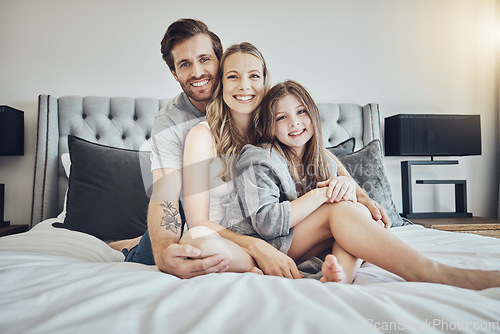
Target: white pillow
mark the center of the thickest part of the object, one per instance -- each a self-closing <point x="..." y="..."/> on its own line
<point x="66" y="162"/>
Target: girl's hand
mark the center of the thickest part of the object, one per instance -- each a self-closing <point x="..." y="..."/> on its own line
<point x="340" y="188"/>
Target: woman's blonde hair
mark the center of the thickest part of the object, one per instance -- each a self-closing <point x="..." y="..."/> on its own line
<point x="229" y="140"/>
<point x="314" y="160"/>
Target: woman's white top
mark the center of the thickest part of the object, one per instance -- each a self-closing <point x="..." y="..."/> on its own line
<point x="218" y="188"/>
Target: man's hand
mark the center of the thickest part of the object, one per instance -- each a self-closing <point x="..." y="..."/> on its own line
<point x="378" y="213"/>
<point x="178" y="260"/>
<point x="340" y="188"/>
<point x="273" y="262"/>
<point x="164" y="231"/>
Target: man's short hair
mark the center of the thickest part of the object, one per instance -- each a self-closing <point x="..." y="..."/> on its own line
<point x="181" y="30"/>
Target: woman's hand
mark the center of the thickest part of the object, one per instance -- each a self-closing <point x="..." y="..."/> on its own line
<point x="273" y="262"/>
<point x="340" y="188"/>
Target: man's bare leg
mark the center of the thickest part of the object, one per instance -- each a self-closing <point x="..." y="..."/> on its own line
<point x="124" y="244"/>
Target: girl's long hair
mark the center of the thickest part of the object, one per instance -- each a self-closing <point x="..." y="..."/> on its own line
<point x="314" y="160"/>
<point x="229" y="140"/>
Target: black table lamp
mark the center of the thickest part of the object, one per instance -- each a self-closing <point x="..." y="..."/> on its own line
<point x="432" y="135"/>
<point x="11" y="143"/>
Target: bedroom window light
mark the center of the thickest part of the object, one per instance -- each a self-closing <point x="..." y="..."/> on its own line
<point x="11" y="143"/>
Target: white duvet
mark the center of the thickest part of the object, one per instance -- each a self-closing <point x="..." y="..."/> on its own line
<point x="60" y="281"/>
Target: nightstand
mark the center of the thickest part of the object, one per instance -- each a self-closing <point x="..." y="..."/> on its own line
<point x="477" y="225"/>
<point x="13" y="229"/>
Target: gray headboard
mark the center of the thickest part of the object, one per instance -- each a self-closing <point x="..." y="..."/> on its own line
<point x="127" y="123"/>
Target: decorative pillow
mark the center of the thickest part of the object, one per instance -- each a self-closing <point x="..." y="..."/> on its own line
<point x="343" y="148"/>
<point x="106" y="195"/>
<point x="367" y="168"/>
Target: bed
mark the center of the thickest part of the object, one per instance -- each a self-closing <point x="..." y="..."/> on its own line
<point x="62" y="280"/>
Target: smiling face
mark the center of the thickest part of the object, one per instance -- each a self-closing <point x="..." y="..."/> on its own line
<point x="196" y="68"/>
<point x="242" y="83"/>
<point x="293" y="124"/>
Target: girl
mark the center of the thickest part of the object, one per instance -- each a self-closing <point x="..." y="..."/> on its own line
<point x="270" y="178"/>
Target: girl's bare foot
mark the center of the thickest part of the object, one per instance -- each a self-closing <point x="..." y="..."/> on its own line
<point x="332" y="271"/>
<point x="126" y="243"/>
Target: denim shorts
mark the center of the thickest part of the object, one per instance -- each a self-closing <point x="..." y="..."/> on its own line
<point x="142" y="252"/>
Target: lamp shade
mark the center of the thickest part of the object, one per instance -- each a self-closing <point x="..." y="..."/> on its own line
<point x="11" y="131"/>
<point x="432" y="135"/>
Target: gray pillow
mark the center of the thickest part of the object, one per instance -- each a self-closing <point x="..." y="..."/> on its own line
<point x="106" y="194"/>
<point x="367" y="168"/>
<point x="343" y="148"/>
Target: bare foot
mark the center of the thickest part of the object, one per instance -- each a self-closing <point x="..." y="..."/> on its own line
<point x="256" y="270"/>
<point x="126" y="243"/>
<point x="332" y="271"/>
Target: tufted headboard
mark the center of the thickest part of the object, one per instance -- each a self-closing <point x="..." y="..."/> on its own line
<point x="127" y="123"/>
<point x="343" y="121"/>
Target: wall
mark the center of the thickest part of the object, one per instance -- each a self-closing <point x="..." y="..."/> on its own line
<point x="410" y="56"/>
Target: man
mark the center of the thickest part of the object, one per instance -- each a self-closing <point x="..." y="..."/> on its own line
<point x="192" y="53"/>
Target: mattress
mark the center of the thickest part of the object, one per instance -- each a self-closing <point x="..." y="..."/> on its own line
<point x="62" y="281"/>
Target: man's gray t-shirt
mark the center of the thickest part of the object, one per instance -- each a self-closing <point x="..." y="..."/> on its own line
<point x="170" y="128"/>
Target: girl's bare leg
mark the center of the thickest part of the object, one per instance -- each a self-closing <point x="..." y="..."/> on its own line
<point x="340" y="266"/>
<point x="349" y="264"/>
<point x="309" y="241"/>
<point x="359" y="236"/>
<point x="211" y="243"/>
<point x="333" y="271"/>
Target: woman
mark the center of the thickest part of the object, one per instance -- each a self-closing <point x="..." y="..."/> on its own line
<point x="211" y="148"/>
<point x="292" y="123"/>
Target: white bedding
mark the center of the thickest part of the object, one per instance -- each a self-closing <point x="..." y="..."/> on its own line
<point x="61" y="281"/>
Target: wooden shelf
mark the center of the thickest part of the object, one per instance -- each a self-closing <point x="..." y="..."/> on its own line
<point x="13" y="229"/>
<point x="477" y="225"/>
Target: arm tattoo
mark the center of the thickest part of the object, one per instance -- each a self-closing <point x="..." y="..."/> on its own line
<point x="169" y="220"/>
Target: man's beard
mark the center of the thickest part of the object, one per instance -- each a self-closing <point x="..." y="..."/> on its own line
<point x="204" y="96"/>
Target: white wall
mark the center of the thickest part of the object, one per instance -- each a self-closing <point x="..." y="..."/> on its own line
<point x="410" y="56"/>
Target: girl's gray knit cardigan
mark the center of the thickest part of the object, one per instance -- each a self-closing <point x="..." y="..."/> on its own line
<point x="260" y="207"/>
